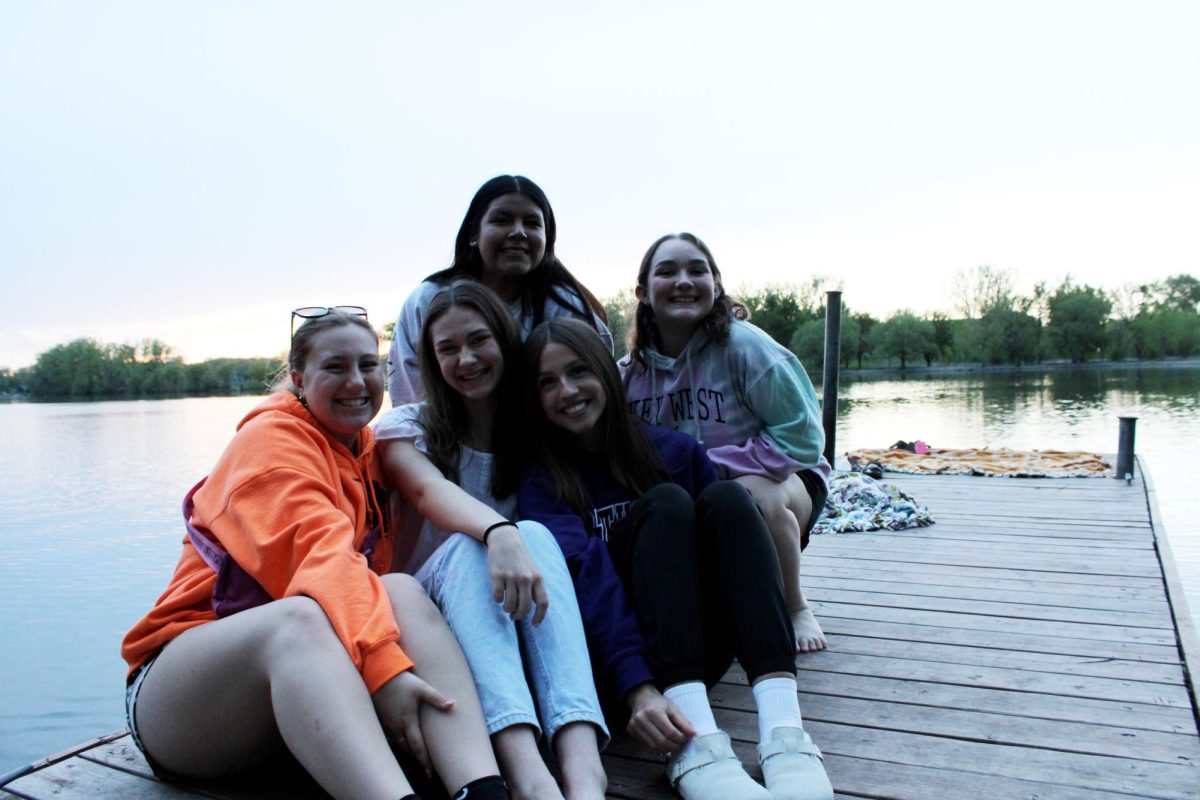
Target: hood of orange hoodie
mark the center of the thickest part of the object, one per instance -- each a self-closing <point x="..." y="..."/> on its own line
<point x="286" y="403"/>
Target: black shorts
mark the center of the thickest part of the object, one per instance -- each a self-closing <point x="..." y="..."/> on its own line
<point x="818" y="491"/>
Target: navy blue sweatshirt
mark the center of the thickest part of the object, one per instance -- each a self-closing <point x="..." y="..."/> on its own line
<point x="614" y="639"/>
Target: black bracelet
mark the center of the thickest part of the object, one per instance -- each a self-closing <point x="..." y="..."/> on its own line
<point x="490" y="528"/>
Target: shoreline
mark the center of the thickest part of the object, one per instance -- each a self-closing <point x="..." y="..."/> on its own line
<point x="1190" y="362"/>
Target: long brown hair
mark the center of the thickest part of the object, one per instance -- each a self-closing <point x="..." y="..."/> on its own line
<point x="445" y="413"/>
<point x="643" y="331"/>
<point x="548" y="278"/>
<point x="630" y="454"/>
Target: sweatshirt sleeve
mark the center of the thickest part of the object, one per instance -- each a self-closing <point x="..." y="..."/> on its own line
<point x="305" y="547"/>
<point x="404" y="371"/>
<point x="613" y="635"/>
<point x="791" y="439"/>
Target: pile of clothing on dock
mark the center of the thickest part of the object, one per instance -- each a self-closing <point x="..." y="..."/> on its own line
<point x="858" y="502"/>
<point x="985" y="461"/>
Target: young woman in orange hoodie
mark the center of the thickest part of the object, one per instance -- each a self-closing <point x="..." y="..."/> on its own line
<point x="302" y="641"/>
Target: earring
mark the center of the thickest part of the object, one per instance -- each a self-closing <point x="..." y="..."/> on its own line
<point x="474" y="244"/>
<point x="303" y="400"/>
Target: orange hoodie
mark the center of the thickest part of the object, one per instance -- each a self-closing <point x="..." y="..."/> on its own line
<point x="289" y="503"/>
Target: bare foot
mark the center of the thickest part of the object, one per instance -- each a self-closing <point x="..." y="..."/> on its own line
<point x="809" y="636"/>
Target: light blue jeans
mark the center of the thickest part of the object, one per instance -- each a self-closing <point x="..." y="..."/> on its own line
<point x="502" y="653"/>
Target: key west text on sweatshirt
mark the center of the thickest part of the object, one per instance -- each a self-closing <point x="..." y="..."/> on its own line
<point x="748" y="401"/>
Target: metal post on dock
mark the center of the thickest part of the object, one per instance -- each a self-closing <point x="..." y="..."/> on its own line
<point x="829" y="379"/>
<point x="1125" y="448"/>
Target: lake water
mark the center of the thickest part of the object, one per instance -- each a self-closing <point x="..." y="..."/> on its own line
<point x="90" y="527"/>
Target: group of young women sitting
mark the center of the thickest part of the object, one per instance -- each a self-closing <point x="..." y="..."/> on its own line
<point x="534" y="541"/>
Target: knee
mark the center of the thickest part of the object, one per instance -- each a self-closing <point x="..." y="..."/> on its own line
<point x="671" y="503"/>
<point x="540" y="541"/>
<point x="669" y="494"/>
<point x="671" y="512"/>
<point x="725" y="495"/>
<point x="301" y="625"/>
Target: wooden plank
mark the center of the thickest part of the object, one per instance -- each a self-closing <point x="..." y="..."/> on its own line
<point x="906" y="631"/>
<point x="983" y="572"/>
<point x="1147" y="671"/>
<point x="980" y="622"/>
<point x="1050" y="613"/>
<point x="1102" y="773"/>
<point x="981" y="557"/>
<point x="1016" y="680"/>
<point x="884" y="780"/>
<point x="818" y="586"/>
<point x="1006" y="540"/>
<point x="1052" y="734"/>
<point x="80" y="778"/>
<point x="280" y="779"/>
<point x="918" y="581"/>
<point x="1168" y="719"/>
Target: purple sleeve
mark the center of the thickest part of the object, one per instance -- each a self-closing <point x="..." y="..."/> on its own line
<point x="613" y="635"/>
<point x="760" y="455"/>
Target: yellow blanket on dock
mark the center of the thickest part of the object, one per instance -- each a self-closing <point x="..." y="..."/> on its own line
<point x="987" y="461"/>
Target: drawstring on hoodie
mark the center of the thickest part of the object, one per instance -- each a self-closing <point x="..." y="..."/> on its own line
<point x="652" y="366"/>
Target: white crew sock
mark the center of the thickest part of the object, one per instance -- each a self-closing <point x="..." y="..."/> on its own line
<point x="692" y="699"/>
<point x="777" y="704"/>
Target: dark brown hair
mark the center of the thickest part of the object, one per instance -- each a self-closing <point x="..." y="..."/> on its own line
<point x="445" y="413"/>
<point x="631" y="456"/>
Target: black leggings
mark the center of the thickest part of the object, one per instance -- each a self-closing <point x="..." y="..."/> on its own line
<point x="705" y="581"/>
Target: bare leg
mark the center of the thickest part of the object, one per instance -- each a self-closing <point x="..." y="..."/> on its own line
<point x="526" y="773"/>
<point x="457" y="740"/>
<point x="784" y="505"/>
<point x="579" y="756"/>
<point x="294" y="683"/>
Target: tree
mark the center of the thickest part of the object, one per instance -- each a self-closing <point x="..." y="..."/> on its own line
<point x="620" y="309"/>
<point x="904" y="335"/>
<point x="75" y="369"/>
<point x="943" y="336"/>
<point x="1008" y="336"/>
<point x="1181" y="292"/>
<point x="1077" y="317"/>
<point x="976" y="291"/>
<point x="862" y="345"/>
<point x="808" y="342"/>
<point x="776" y="310"/>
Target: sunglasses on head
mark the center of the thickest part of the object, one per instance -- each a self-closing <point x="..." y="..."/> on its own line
<point x="314" y="312"/>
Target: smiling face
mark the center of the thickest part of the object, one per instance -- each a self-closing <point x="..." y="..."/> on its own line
<point x="342" y="381"/>
<point x="571" y="394"/>
<point x="468" y="354"/>
<point x="511" y="242"/>
<point x="680" y="288"/>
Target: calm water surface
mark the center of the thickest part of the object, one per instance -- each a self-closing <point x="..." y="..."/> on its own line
<point x="90" y="530"/>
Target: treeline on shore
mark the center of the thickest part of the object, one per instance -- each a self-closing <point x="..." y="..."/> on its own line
<point x="87" y="369"/>
<point x="993" y="325"/>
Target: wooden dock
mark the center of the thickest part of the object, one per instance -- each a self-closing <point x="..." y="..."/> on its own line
<point x="1033" y="643"/>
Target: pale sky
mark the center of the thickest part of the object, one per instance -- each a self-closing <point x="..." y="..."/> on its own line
<point x="192" y="171"/>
